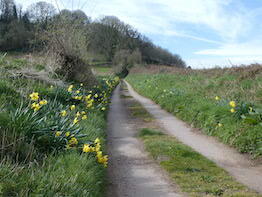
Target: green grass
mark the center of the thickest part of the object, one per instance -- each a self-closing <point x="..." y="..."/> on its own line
<point x="149" y="132"/>
<point x="103" y="70"/>
<point x="190" y="97"/>
<point x="124" y="96"/>
<point x="68" y="174"/>
<point x="139" y="111"/>
<point x="192" y="172"/>
<point x="24" y="169"/>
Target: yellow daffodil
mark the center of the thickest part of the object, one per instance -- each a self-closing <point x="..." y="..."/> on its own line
<point x="92" y="149"/>
<point x="34" y="96"/>
<point x="232" y="104"/>
<point x="77" y="92"/>
<point x="35" y="106"/>
<point x="58" y="133"/>
<point x="96" y="95"/>
<point x="103" y="160"/>
<point x="63" y="113"/>
<point x="72" y="107"/>
<point x="75" y="121"/>
<point x="99" y="154"/>
<point x="88" y="97"/>
<point x="70" y="88"/>
<point x="103" y="108"/>
<point x="217" y="98"/>
<point x="78" y="97"/>
<point x="97" y="141"/>
<point x="98" y="147"/>
<point x="81" y="84"/>
<point x="86" y="148"/>
<point x="83" y="113"/>
<point x="89" y="105"/>
<point x="73" y="141"/>
<point x="43" y="102"/>
<point x="219" y="125"/>
<point x="84" y="117"/>
<point x="232" y="110"/>
<point x="78" y="114"/>
<point x="67" y="134"/>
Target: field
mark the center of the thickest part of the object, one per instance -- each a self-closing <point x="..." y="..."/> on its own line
<point x="226" y="103"/>
<point x="103" y="70"/>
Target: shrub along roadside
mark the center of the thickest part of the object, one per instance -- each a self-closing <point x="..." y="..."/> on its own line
<point x="52" y="145"/>
<point x="193" y="99"/>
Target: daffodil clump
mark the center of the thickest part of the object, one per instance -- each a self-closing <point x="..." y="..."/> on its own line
<point x="60" y="127"/>
<point x="97" y="97"/>
<point x="233" y="106"/>
<point x="37" y="103"/>
<point x="96" y="148"/>
<point x="242" y="110"/>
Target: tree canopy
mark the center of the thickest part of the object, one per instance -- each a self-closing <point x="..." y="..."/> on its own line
<point x="107" y="36"/>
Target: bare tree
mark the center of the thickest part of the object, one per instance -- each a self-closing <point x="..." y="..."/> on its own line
<point x="6" y="10"/>
<point x="66" y="40"/>
<point x="124" y="60"/>
<point x="41" y="12"/>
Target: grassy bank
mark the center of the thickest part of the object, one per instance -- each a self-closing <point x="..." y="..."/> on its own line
<point x="204" y="100"/>
<point x="193" y="173"/>
<point x="65" y="174"/>
<point x="52" y="137"/>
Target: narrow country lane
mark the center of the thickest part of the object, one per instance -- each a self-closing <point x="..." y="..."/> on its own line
<point x="243" y="169"/>
<point x="131" y="172"/>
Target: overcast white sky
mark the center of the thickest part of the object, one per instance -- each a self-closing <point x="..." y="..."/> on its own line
<point x="204" y="32"/>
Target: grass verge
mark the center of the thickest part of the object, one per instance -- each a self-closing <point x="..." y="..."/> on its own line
<point x="51" y="143"/>
<point x="67" y="174"/>
<point x="193" y="173"/>
<point x="139" y="111"/>
<point x="203" y="100"/>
